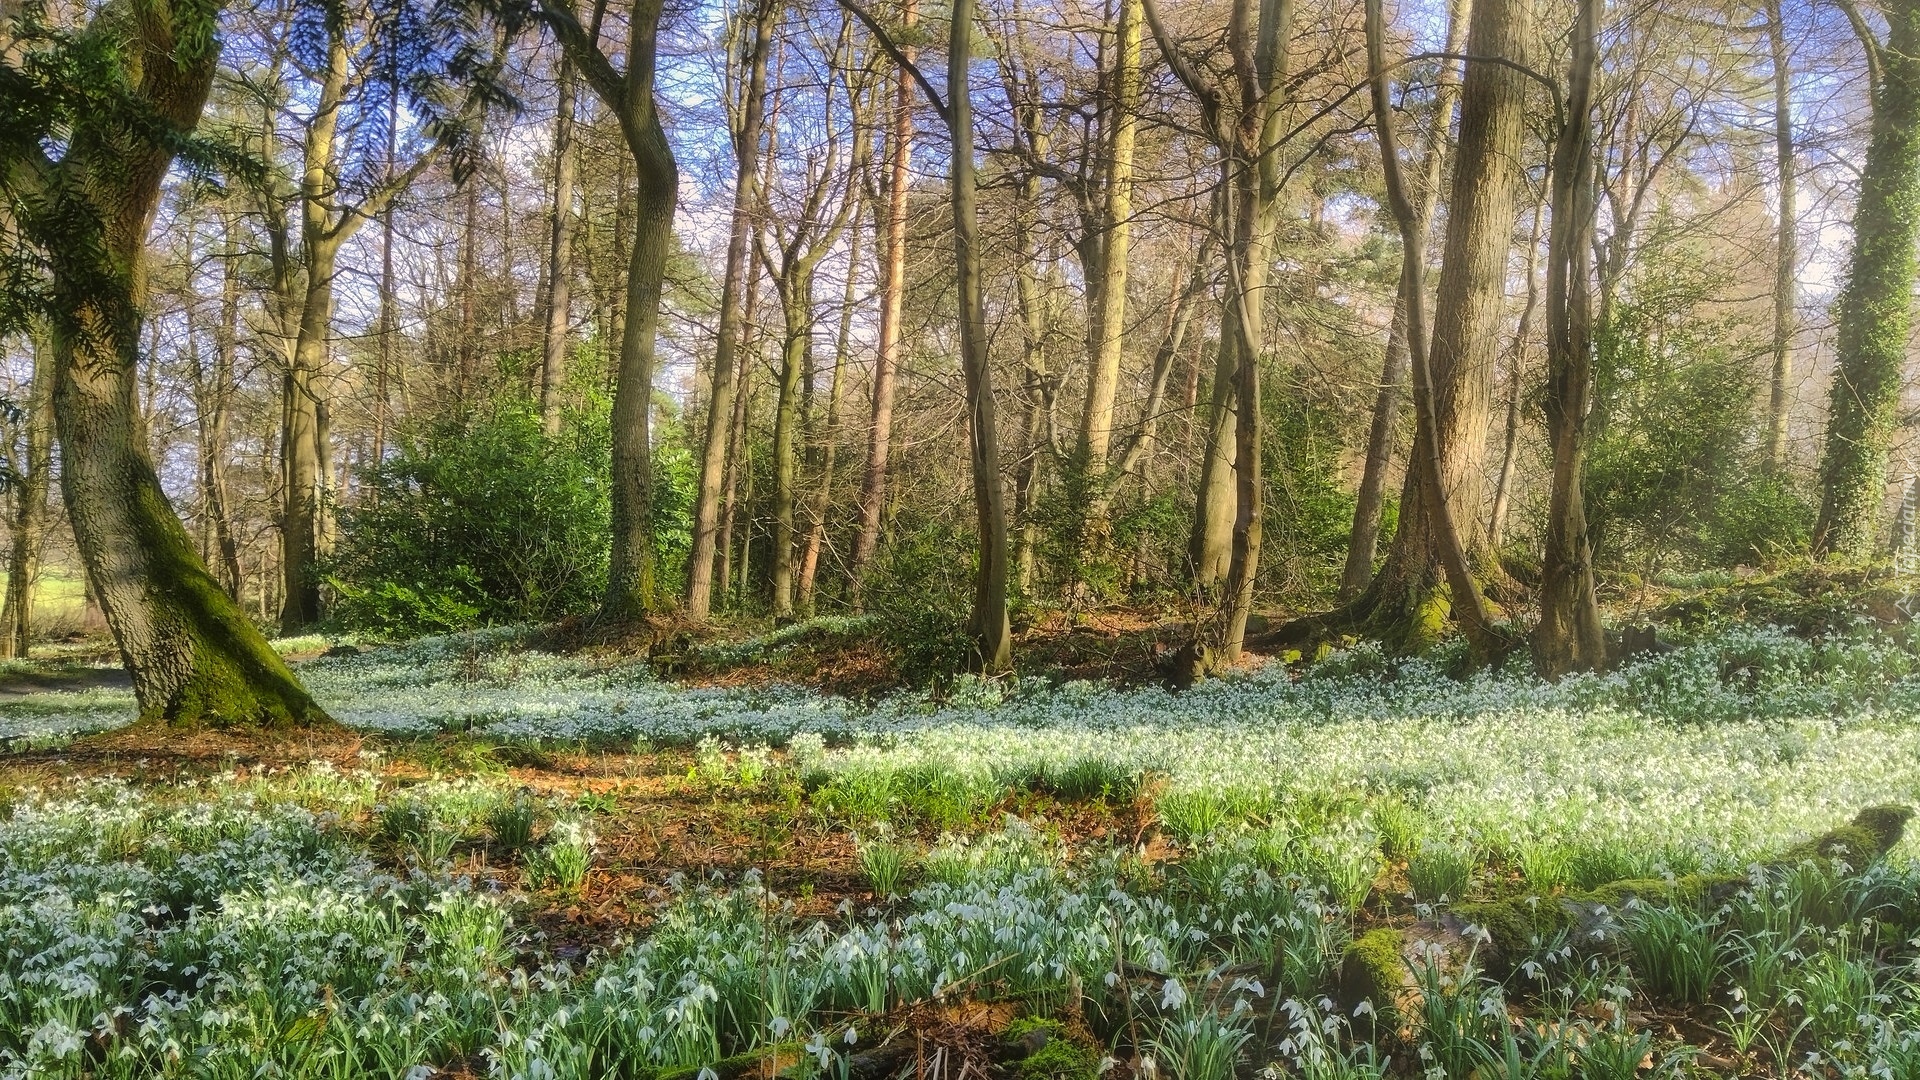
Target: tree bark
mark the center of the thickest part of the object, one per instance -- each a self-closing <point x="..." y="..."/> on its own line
<point x="1089" y="468"/>
<point x="1874" y="312"/>
<point x="829" y="435"/>
<point x="1786" y="244"/>
<point x="1407" y="604"/>
<point x="746" y="200"/>
<point x="886" y="361"/>
<point x="1516" y="374"/>
<point x="1363" y="543"/>
<point x="1568" y="637"/>
<point x="1426" y="476"/>
<point x="737" y="443"/>
<point x="30" y="507"/>
<point x="559" y="299"/>
<point x="193" y="655"/>
<point x="796" y="301"/>
<point x="1245" y="123"/>
<point x="988" y="624"/>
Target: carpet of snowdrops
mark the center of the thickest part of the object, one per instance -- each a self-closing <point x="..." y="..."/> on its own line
<point x="1727" y="749"/>
<point x="315" y="921"/>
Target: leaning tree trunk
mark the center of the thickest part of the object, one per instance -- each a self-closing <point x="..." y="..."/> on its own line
<point x="1408" y="602"/>
<point x="1568" y="637"/>
<point x="194" y="657"/>
<point x="1875" y="308"/>
<point x="30" y="512"/>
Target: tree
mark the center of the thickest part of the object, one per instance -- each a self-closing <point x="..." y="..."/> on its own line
<point x="352" y="56"/>
<point x="1363" y="543"/>
<point x="1241" y="115"/>
<point x="988" y="624"/>
<point x="1405" y="603"/>
<point x="1425" y="478"/>
<point x="1786" y="249"/>
<point x="756" y="44"/>
<point x="559" y="299"/>
<point x="1568" y="637"/>
<point x="1875" y="308"/>
<point x="31" y="481"/>
<point x="1089" y="469"/>
<point x="124" y="95"/>
<point x="791" y="254"/>
<point x="893" y="287"/>
<point x="632" y="590"/>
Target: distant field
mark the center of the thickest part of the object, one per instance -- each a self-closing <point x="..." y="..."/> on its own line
<point x="60" y="602"/>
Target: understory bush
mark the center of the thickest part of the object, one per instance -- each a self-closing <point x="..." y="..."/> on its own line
<point x="481" y="520"/>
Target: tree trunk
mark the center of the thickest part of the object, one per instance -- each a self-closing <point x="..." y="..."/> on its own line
<point x="886" y="361"/>
<point x="737" y="442"/>
<point x="1248" y="134"/>
<point x="193" y="656"/>
<point x="796" y="302"/>
<point x="467" y="349"/>
<point x="829" y="437"/>
<point x="988" y="623"/>
<point x="631" y="586"/>
<point x="1568" y="637"/>
<point x="1875" y="308"/>
<point x="1089" y="470"/>
<point x="1786" y="244"/>
<point x="1427" y="480"/>
<point x="1406" y="602"/>
<point x="746" y="200"/>
<point x="559" y="299"/>
<point x="1516" y="374"/>
<point x="1363" y="543"/>
<point x="213" y="474"/>
<point x="30" y="509"/>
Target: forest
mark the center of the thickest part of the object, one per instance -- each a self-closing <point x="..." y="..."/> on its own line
<point x="884" y="539"/>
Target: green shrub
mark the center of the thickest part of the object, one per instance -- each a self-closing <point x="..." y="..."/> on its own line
<point x="483" y="519"/>
<point x="921" y="594"/>
<point x="486" y="519"/>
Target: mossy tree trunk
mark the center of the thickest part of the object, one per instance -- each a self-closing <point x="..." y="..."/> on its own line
<point x="1875" y="309"/>
<point x="1409" y="601"/>
<point x="1364" y="541"/>
<point x="194" y="657"/>
<point x="632" y="571"/>
<point x="1425" y="476"/>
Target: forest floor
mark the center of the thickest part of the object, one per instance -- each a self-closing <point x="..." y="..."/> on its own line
<point x="561" y="864"/>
